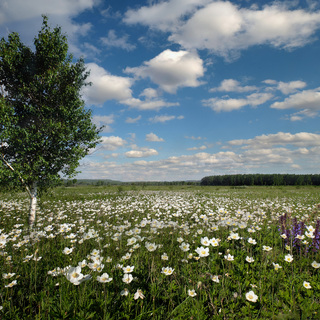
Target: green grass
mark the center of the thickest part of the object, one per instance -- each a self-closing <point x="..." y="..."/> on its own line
<point x="105" y="218"/>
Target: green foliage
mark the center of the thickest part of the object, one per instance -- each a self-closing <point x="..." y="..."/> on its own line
<point x="262" y="180"/>
<point x="45" y="128"/>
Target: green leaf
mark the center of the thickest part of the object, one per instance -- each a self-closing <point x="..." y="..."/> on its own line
<point x="45" y="128"/>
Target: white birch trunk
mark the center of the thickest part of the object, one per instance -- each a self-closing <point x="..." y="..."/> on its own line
<point x="33" y="205"/>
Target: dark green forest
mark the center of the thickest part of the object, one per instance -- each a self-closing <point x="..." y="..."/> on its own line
<point x="219" y="180"/>
<point x="262" y="180"/>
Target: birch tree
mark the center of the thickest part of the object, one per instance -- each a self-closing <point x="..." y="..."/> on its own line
<point x="45" y="129"/>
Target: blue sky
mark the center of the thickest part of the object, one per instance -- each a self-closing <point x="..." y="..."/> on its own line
<point x="191" y="88"/>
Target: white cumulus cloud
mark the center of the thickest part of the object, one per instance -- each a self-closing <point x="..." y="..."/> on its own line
<point x="25" y="18"/>
<point x="172" y="70"/>
<point x="162" y="15"/>
<point x="153" y="137"/>
<point x="231" y="85"/>
<point x="282" y="152"/>
<point x="224" y="27"/>
<point x="105" y="121"/>
<point x="112" y="143"/>
<point x="133" y="120"/>
<point x="203" y="147"/>
<point x="148" y="104"/>
<point x="165" y="118"/>
<point x="112" y="40"/>
<point x="301" y="139"/>
<point x="300" y="115"/>
<point x="254" y="99"/>
<point x="14" y="10"/>
<point x="106" y="86"/>
<point x="306" y="99"/>
<point x="141" y="153"/>
<point x="290" y="87"/>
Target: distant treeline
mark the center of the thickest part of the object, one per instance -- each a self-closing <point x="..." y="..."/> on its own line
<point x="262" y="180"/>
<point x="107" y="182"/>
<point x="90" y="182"/>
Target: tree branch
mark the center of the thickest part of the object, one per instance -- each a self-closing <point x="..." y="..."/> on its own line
<point x="12" y="169"/>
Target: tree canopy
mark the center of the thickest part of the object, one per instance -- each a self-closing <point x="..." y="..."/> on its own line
<point x="45" y="128"/>
<point x="261" y="180"/>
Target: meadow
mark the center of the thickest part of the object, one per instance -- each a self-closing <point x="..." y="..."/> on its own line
<point x="185" y="252"/>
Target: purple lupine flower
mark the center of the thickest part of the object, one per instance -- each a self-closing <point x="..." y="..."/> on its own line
<point x="295" y="230"/>
<point x="316" y="239"/>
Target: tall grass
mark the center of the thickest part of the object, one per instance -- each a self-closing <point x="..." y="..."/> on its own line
<point x="192" y="253"/>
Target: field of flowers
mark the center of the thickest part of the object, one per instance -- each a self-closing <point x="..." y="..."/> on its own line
<point x="193" y="253"/>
